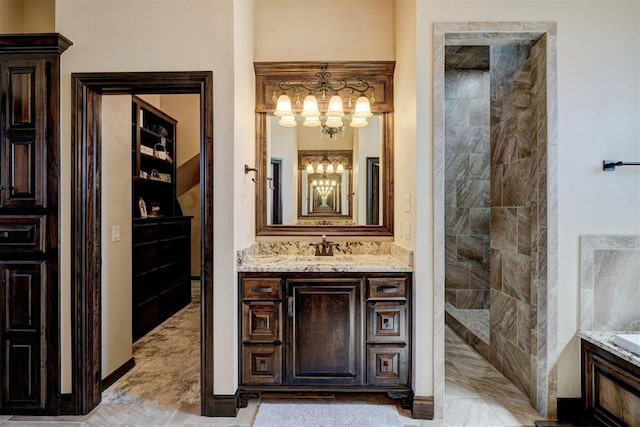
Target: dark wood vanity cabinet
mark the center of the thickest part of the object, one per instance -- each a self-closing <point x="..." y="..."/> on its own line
<point x="161" y="270"/>
<point x="610" y="387"/>
<point x="325" y="331"/>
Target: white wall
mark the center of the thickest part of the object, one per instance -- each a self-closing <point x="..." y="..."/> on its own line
<point x="185" y="108"/>
<point x="116" y="211"/>
<point x="130" y="35"/>
<point x="598" y="103"/>
<point x="283" y="144"/>
<point x="369" y="143"/>
<point x="323" y="30"/>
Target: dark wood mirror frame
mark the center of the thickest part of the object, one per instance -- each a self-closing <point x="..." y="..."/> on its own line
<point x="380" y="75"/>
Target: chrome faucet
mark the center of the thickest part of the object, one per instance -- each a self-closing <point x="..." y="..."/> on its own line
<point x="324" y="248"/>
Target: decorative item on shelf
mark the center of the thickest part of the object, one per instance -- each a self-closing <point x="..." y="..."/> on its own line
<point x="155" y="209"/>
<point x="164" y="177"/>
<point x="142" y="207"/>
<point x="331" y="122"/>
<point x="144" y="175"/>
<point x="160" y="151"/>
<point x="146" y="150"/>
<point x="155" y="175"/>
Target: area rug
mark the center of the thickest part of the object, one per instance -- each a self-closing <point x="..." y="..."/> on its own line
<point x="326" y="415"/>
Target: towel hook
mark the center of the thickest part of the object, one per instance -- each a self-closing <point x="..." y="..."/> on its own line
<point x="610" y="165"/>
<point x="247" y="169"/>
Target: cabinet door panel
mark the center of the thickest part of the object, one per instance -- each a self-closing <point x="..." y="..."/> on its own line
<point x="22" y="333"/>
<point x="24" y="135"/>
<point x="325" y="333"/>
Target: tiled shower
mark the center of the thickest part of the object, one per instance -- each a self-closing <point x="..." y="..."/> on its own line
<point x="495" y="202"/>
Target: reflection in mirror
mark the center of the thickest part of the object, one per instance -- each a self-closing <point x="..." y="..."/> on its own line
<point x="317" y="180"/>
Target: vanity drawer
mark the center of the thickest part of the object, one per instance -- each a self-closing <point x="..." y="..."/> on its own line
<point x="262" y="288"/>
<point x="387" y="365"/>
<point x="387" y="322"/>
<point x="261" y="321"/>
<point x="261" y="364"/>
<point x="387" y="287"/>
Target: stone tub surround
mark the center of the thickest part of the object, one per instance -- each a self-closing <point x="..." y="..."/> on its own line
<point x="609" y="279"/>
<point x="348" y="257"/>
<point x="604" y="340"/>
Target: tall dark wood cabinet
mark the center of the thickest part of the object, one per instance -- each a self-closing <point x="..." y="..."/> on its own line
<point x="29" y="183"/>
<point x="161" y="250"/>
<point x="325" y="332"/>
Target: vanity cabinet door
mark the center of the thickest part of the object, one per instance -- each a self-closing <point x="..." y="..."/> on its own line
<point x="324" y="332"/>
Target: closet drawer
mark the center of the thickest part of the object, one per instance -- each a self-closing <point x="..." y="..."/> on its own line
<point x="22" y="233"/>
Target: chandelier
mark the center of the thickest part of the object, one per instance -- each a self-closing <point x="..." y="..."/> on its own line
<point x="331" y="122"/>
<point x="324" y="187"/>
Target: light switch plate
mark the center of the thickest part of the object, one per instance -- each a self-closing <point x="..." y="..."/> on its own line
<point x="115" y="233"/>
<point x="407" y="230"/>
<point x="407" y="202"/>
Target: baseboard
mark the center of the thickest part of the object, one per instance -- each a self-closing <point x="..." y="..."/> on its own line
<point x="66" y="404"/>
<point x="225" y="405"/>
<point x="117" y="374"/>
<point x="570" y="409"/>
<point x="422" y="408"/>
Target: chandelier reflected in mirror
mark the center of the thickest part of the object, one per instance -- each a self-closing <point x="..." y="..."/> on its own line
<point x="331" y="122"/>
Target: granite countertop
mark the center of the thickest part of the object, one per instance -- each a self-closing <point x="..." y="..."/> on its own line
<point x="604" y="340"/>
<point x="337" y="263"/>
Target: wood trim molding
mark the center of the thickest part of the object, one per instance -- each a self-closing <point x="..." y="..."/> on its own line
<point x="422" y="407"/>
<point x="85" y="220"/>
<point x="118" y="373"/>
<point x="225" y="405"/>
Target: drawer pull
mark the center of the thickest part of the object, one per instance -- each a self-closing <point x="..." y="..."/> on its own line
<point x="257" y="290"/>
<point x="387" y="289"/>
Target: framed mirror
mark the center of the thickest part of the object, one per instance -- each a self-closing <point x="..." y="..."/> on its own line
<point x="319" y="179"/>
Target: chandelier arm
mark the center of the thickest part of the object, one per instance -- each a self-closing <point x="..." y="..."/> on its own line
<point x="324" y="84"/>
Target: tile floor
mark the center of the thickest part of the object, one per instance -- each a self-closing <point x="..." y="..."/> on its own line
<point x="476" y="394"/>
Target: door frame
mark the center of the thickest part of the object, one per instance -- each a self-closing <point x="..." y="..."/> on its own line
<point x="86" y="92"/>
<point x="486" y="33"/>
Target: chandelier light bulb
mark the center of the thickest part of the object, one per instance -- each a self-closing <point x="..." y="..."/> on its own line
<point x="358" y="122"/>
<point x="283" y="107"/>
<point x="340" y="168"/>
<point x="309" y="168"/>
<point x="312" y="121"/>
<point x="287" y="121"/>
<point x="310" y="108"/>
<point x="319" y="168"/>
<point x="329" y="168"/>
<point x="335" y="107"/>
<point x="363" y="108"/>
<point x="333" y="122"/>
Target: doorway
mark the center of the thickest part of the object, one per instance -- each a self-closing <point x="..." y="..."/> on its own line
<point x="540" y="384"/>
<point x="87" y="89"/>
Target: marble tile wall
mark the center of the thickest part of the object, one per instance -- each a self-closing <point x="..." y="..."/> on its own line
<point x="466" y="184"/>
<point x="518" y="174"/>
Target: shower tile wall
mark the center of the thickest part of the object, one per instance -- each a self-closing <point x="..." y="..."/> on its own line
<point x="518" y="208"/>
<point x="467" y="188"/>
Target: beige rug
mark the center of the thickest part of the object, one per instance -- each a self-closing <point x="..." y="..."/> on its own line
<point x="326" y="415"/>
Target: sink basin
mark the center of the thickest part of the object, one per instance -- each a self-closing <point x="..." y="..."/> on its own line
<point x="629" y="342"/>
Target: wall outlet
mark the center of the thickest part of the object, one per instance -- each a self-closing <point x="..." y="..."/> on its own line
<point x="115" y="233"/>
